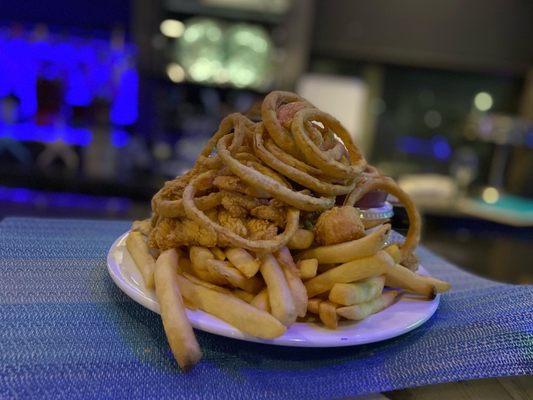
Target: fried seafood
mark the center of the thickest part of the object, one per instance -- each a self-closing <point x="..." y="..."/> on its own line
<point x="338" y="225"/>
<point x="260" y="195"/>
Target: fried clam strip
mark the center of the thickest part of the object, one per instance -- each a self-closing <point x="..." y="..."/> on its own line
<point x="174" y="208"/>
<point x="269" y="113"/>
<point x="293" y="173"/>
<point x="322" y="159"/>
<point x="192" y="212"/>
<point x="388" y="185"/>
<point x="276" y="189"/>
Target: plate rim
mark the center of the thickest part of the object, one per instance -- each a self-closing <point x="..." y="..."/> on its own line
<point x="201" y="320"/>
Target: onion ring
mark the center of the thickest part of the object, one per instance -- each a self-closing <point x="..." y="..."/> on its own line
<point x="290" y="160"/>
<point x="269" y="185"/>
<point x="296" y="175"/>
<point x="236" y="123"/>
<point x="388" y="185"/>
<point x="315" y="156"/>
<point x="269" y="108"/>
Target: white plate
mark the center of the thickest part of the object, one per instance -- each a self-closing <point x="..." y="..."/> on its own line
<point x="405" y="315"/>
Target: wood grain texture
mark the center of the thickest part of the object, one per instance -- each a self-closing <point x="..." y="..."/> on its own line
<point x="509" y="388"/>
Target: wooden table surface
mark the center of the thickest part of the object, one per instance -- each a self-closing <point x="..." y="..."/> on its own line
<point x="509" y="388"/>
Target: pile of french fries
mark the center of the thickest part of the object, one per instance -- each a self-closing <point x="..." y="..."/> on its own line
<point x="264" y="294"/>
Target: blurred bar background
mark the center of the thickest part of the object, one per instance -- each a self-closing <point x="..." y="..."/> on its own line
<point x="101" y="102"/>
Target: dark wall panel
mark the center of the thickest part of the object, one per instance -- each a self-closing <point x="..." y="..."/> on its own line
<point x="473" y="34"/>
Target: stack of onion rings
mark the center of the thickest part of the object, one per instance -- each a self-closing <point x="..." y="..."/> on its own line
<point x="298" y="155"/>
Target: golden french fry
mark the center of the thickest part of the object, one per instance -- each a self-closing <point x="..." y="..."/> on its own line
<point x="243" y="295"/>
<point x="284" y="257"/>
<point x="308" y="268"/>
<point x="234" y="276"/>
<point x="140" y="253"/>
<point x="185" y="264"/>
<point x="325" y="267"/>
<point x="348" y="294"/>
<point x="197" y="281"/>
<point x="218" y="253"/>
<point x="243" y="261"/>
<point x="394" y="251"/>
<point x="348" y="251"/>
<point x="261" y="300"/>
<point x="313" y="305"/>
<point x="298" y="291"/>
<point x="349" y="272"/>
<point x="301" y="240"/>
<point x="361" y="311"/>
<point x="401" y="277"/>
<point x="144" y="226"/>
<point x="328" y="314"/>
<point x="177" y="327"/>
<point x="233" y="310"/>
<point x="279" y="294"/>
<point x="200" y="256"/>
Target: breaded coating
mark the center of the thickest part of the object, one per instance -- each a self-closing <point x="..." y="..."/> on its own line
<point x="171" y="233"/>
<point x="271" y="213"/>
<point x="238" y="204"/>
<point x="261" y="229"/>
<point x="236" y="225"/>
<point x="338" y="225"/>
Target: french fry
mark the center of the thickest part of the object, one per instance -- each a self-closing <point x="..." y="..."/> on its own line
<point x="284" y="257"/>
<point x="243" y="295"/>
<point x="243" y="261"/>
<point x="144" y="226"/>
<point x="279" y="294"/>
<point x="327" y="312"/>
<point x="348" y="251"/>
<point x="177" y="327"/>
<point x="298" y="291"/>
<point x="301" y="240"/>
<point x="394" y="251"/>
<point x="348" y="294"/>
<point x="308" y="268"/>
<point x="234" y="276"/>
<point x="349" y="272"/>
<point x="358" y="312"/>
<point x="219" y="254"/>
<point x="232" y="310"/>
<point x="325" y="267"/>
<point x="401" y="277"/>
<point x="261" y="300"/>
<point x="140" y="253"/>
<point x="185" y="265"/>
<point x="313" y="305"/>
<point x="199" y="261"/>
<point x="197" y="281"/>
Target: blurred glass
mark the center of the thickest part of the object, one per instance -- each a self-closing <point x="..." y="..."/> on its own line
<point x="201" y="50"/>
<point x="248" y="55"/>
<point x="464" y="167"/>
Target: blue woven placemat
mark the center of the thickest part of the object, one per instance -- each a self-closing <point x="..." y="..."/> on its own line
<point x="66" y="331"/>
